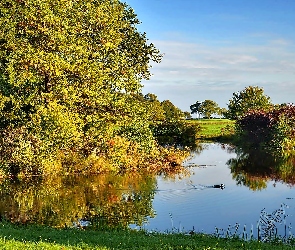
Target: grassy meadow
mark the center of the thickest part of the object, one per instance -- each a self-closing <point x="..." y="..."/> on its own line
<point x="38" y="237"/>
<point x="214" y="128"/>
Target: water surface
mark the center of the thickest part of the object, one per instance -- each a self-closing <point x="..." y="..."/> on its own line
<point x="181" y="207"/>
<point x="253" y="181"/>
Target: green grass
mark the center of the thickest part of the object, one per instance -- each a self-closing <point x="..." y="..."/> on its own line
<point x="38" y="237"/>
<point x="214" y="128"/>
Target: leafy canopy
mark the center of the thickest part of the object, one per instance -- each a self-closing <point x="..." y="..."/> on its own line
<point x="208" y="108"/>
<point x="68" y="73"/>
<point x="251" y="98"/>
<point x="172" y="113"/>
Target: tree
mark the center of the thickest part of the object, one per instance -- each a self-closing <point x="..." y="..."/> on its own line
<point x="68" y="72"/>
<point x="154" y="109"/>
<point x="208" y="108"/>
<point x="172" y="113"/>
<point x="195" y="108"/>
<point x="187" y="115"/>
<point x="222" y="112"/>
<point x="251" y="98"/>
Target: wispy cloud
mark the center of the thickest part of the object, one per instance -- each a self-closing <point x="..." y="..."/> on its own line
<point x="192" y="66"/>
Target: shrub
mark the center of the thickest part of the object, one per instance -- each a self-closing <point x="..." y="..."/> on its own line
<point x="273" y="129"/>
<point x="179" y="133"/>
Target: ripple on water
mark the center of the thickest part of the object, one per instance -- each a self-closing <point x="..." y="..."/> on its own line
<point x="206" y="208"/>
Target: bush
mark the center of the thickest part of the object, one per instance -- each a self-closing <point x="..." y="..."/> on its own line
<point x="179" y="133"/>
<point x="272" y="129"/>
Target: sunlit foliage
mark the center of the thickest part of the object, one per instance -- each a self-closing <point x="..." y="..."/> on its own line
<point x="208" y="108"/>
<point x="250" y="98"/>
<point x="70" y="78"/>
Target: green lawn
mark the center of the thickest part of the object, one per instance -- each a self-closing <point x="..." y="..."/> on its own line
<point x="33" y="237"/>
<point x="213" y="128"/>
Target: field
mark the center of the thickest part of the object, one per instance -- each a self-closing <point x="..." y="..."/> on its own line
<point x="214" y="128"/>
<point x="38" y="237"/>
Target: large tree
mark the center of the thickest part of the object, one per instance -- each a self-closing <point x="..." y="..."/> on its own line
<point x="68" y="74"/>
<point x="251" y="98"/>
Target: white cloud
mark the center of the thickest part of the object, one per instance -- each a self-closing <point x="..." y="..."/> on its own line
<point x="192" y="69"/>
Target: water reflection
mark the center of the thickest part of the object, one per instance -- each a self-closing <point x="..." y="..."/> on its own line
<point x="135" y="198"/>
<point x="106" y="200"/>
<point x="254" y="168"/>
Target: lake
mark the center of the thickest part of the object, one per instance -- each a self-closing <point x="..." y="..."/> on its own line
<point x="181" y="206"/>
<point x="179" y="203"/>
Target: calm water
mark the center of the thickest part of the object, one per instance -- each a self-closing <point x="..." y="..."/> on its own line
<point x="178" y="205"/>
<point x="252" y="182"/>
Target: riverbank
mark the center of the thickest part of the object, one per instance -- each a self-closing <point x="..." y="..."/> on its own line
<point x="40" y="237"/>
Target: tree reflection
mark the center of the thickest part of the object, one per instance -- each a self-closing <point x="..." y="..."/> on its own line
<point x="254" y="168"/>
<point x="106" y="200"/>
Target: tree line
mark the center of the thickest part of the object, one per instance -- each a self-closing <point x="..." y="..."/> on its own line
<point x="259" y="122"/>
<point x="71" y="94"/>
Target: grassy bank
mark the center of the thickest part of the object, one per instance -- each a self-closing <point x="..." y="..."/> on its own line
<point x="214" y="128"/>
<point x="33" y="237"/>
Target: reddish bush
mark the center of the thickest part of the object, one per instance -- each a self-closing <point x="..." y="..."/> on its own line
<point x="275" y="128"/>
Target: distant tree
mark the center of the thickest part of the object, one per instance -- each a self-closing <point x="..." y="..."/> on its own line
<point x="195" y="108"/>
<point x="251" y="98"/>
<point x="172" y="113"/>
<point x="151" y="97"/>
<point x="154" y="109"/>
<point x="187" y="115"/>
<point x="208" y="108"/>
<point x="222" y="112"/>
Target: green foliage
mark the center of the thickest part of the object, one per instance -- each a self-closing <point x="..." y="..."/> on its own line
<point x="154" y="109"/>
<point x="208" y="108"/>
<point x="284" y="128"/>
<point x="222" y="112"/>
<point x="251" y="98"/>
<point x="179" y="133"/>
<point x="187" y="115"/>
<point x="195" y="108"/>
<point x="69" y="74"/>
<point x="167" y="123"/>
<point x="172" y="113"/>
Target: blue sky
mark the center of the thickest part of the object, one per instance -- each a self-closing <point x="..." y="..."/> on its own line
<point x="213" y="48"/>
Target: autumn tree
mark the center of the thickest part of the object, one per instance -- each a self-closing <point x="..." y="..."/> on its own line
<point x="251" y="98"/>
<point x="68" y="74"/>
